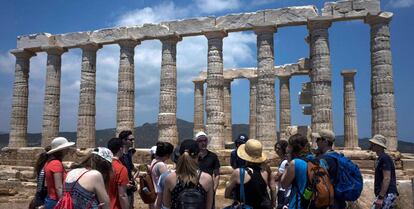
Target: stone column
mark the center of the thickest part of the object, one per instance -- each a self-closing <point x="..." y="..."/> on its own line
<point x="284" y="105"/>
<point x="265" y="103"/>
<point x="214" y="94"/>
<point x="227" y="112"/>
<point x="51" y="107"/>
<point x="320" y="74"/>
<point x="198" y="106"/>
<point x="18" y="120"/>
<point x="125" y="114"/>
<point x="382" y="82"/>
<point x="167" y="119"/>
<point x="350" y="115"/>
<point x="252" y="105"/>
<point x="87" y="109"/>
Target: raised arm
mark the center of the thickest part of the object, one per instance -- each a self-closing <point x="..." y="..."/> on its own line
<point x="288" y="175"/>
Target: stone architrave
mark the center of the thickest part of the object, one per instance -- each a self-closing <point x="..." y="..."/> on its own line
<point x="284" y="105"/>
<point x="265" y="103"/>
<point x="320" y="74"/>
<point x="227" y="112"/>
<point x="167" y="119"/>
<point x="214" y="94"/>
<point x="51" y="107"/>
<point x="252" y="107"/>
<point x="198" y="106"/>
<point x="87" y="109"/>
<point x="350" y="114"/>
<point x="18" y="120"/>
<point x="382" y="82"/>
<point x="125" y="114"/>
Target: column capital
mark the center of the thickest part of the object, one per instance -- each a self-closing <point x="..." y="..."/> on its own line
<point x="56" y="50"/>
<point x="22" y="53"/>
<point x="348" y="73"/>
<point x="215" y="34"/>
<point x="319" y="23"/>
<point x="171" y="39"/>
<point x="259" y="29"/>
<point x="90" y="46"/>
<point x="128" y="42"/>
<point x="284" y="77"/>
<point x="198" y="81"/>
<point x="383" y="17"/>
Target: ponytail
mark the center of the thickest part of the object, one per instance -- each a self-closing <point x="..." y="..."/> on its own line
<point x="187" y="168"/>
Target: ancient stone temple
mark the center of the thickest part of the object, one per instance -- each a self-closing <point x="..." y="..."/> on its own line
<point x="212" y="90"/>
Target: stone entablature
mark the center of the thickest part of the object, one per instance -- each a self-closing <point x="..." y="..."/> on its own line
<point x="288" y="16"/>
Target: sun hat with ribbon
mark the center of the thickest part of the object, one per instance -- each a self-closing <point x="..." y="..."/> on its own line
<point x="59" y="143"/>
<point x="103" y="152"/>
<point x="252" y="151"/>
<point x="380" y="140"/>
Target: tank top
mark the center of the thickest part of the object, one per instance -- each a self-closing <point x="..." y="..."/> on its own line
<point x="255" y="189"/>
<point x="300" y="180"/>
<point x="81" y="197"/>
<point x="180" y="186"/>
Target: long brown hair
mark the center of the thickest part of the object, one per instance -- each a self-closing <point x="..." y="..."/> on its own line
<point x="93" y="161"/>
<point x="300" y="146"/>
<point x="41" y="161"/>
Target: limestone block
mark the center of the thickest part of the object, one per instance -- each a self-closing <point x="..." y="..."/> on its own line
<point x="408" y="164"/>
<point x="305" y="96"/>
<point x="7" y="174"/>
<point x="35" y="40"/>
<point x="351" y="9"/>
<point x="290" y="15"/>
<point x="190" y="27"/>
<point x="242" y="21"/>
<point x="72" y="39"/>
<point x="109" y="35"/>
<point x="148" y="31"/>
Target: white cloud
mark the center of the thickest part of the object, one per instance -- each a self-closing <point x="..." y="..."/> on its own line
<point x="6" y="63"/>
<point x="401" y="3"/>
<point x="211" y="6"/>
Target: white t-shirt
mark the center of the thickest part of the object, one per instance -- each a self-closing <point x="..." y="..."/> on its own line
<point x="282" y="169"/>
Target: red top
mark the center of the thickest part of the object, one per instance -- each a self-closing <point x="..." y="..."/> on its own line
<point x="51" y="167"/>
<point x="119" y="177"/>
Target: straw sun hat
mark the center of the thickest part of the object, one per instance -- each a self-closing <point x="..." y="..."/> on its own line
<point x="251" y="151"/>
<point x="59" y="143"/>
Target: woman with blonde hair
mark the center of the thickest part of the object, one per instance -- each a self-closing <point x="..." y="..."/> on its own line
<point x="188" y="187"/>
<point x="88" y="182"/>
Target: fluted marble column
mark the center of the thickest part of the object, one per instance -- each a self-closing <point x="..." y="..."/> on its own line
<point x="350" y="114"/>
<point x="214" y="94"/>
<point x="18" y="120"/>
<point x="51" y="107"/>
<point x="167" y="119"/>
<point x="382" y="82"/>
<point x="87" y="109"/>
<point x="321" y="75"/>
<point x="252" y="110"/>
<point x="265" y="103"/>
<point x="284" y="105"/>
<point x="227" y="112"/>
<point x="125" y="114"/>
<point x="198" y="106"/>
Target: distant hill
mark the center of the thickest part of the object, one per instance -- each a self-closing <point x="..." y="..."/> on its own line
<point x="147" y="134"/>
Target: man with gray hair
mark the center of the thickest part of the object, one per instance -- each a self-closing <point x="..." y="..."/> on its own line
<point x="385" y="183"/>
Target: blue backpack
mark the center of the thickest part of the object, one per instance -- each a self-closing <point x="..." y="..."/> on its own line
<point x="348" y="185"/>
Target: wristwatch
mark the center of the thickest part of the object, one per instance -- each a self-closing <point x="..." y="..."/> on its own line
<point x="380" y="197"/>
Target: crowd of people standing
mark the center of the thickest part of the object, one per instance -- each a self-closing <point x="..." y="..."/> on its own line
<point x="106" y="177"/>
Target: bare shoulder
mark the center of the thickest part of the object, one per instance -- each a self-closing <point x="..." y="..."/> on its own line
<point x="93" y="175"/>
<point x="206" y="177"/>
<point x="170" y="180"/>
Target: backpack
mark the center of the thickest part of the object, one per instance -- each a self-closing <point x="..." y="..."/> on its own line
<point x="348" y="182"/>
<point x="319" y="192"/>
<point x="41" y="191"/>
<point x="66" y="201"/>
<point x="190" y="197"/>
<point x="146" y="187"/>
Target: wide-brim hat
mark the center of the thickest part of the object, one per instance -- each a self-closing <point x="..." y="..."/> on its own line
<point x="379" y="140"/>
<point x="252" y="151"/>
<point x="59" y="143"/>
<point x="104" y="153"/>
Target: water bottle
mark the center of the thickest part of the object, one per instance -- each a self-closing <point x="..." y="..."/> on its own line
<point x="307" y="194"/>
<point x="145" y="190"/>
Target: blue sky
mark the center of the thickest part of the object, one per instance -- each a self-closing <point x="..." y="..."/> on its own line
<point x="349" y="42"/>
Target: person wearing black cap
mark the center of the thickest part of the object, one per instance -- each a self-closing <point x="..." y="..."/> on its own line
<point x="235" y="160"/>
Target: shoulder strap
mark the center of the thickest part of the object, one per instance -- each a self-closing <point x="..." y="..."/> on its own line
<point x="74" y="183"/>
<point x="242" y="196"/>
<point x="152" y="167"/>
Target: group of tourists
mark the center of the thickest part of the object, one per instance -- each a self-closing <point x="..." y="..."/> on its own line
<point x="308" y="176"/>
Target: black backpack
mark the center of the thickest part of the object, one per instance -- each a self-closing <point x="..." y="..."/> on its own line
<point x="190" y="197"/>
